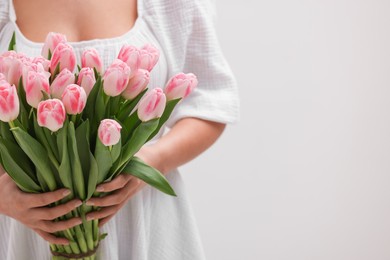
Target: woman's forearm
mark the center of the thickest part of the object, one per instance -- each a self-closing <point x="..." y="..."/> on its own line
<point x="187" y="139"/>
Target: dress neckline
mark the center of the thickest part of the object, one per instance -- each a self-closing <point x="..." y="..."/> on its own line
<point x="78" y="44"/>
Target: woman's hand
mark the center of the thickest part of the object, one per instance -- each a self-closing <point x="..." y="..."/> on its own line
<point x="32" y="210"/>
<point x="122" y="188"/>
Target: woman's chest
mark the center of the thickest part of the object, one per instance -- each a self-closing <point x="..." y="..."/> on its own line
<point x="79" y="20"/>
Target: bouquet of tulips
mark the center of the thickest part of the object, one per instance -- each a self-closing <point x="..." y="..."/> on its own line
<point x="65" y="129"/>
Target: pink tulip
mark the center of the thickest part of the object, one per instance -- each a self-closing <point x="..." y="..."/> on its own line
<point x="151" y="105"/>
<point x="116" y="78"/>
<point x="11" y="65"/>
<point x="86" y="79"/>
<point x="74" y="99"/>
<point x="180" y="85"/>
<point x="62" y="80"/>
<point x="44" y="62"/>
<point x="51" y="114"/>
<point x="36" y="82"/>
<point x="51" y="42"/>
<point x="144" y="58"/>
<point x="28" y="66"/>
<point x="136" y="84"/>
<point x="9" y="102"/>
<point x="2" y="77"/>
<point x="109" y="132"/>
<point x="131" y="56"/>
<point x="91" y="59"/>
<point x="149" y="56"/>
<point x="64" y="55"/>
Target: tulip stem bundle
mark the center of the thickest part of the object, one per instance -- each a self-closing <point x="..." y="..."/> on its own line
<point x="75" y="131"/>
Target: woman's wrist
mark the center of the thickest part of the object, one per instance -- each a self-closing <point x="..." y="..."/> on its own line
<point x="151" y="155"/>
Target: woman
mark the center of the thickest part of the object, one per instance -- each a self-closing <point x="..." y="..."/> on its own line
<point x="143" y="223"/>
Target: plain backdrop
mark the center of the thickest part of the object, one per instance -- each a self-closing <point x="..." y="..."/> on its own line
<point x="306" y="172"/>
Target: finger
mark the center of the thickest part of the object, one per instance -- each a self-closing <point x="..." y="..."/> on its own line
<point x="116" y="184"/>
<point x="116" y="197"/>
<point x="104" y="212"/>
<point x="44" y="199"/>
<point x="109" y="200"/>
<point x="51" y="238"/>
<point x="104" y="221"/>
<point x="56" y="212"/>
<point x="55" y="226"/>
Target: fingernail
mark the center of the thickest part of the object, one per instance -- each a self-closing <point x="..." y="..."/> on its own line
<point x="66" y="193"/>
<point x="89" y="218"/>
<point x="89" y="203"/>
<point x="78" y="203"/>
<point x="79" y="222"/>
<point x="99" y="189"/>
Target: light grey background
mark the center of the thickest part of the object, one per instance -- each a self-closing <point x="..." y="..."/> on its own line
<point x="306" y="173"/>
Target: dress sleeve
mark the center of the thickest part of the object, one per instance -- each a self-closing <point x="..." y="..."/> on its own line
<point x="187" y="33"/>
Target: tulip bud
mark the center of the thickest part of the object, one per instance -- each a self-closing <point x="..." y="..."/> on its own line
<point x="136" y="84"/>
<point x="109" y="132"/>
<point x="151" y="105"/>
<point x="180" y="85"/>
<point x="64" y="55"/>
<point x="116" y="78"/>
<point x="90" y="58"/>
<point x="28" y="66"/>
<point x="2" y="77"/>
<point x="51" y="114"/>
<point x="51" y="42"/>
<point x="86" y="79"/>
<point x="44" y="62"/>
<point x="62" y="80"/>
<point x="36" y="82"/>
<point x="9" y="102"/>
<point x="74" y="99"/>
<point x="149" y="56"/>
<point x="11" y="65"/>
<point x="130" y="55"/>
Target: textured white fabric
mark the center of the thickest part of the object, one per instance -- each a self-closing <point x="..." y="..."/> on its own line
<point x="152" y="226"/>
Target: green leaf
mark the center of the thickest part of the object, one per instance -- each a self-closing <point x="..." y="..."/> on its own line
<point x="65" y="171"/>
<point x="55" y="73"/>
<point x="137" y="140"/>
<point x="93" y="176"/>
<point x="171" y="104"/>
<point x="89" y="109"/>
<point x="82" y="140"/>
<point x="116" y="151"/>
<point x="100" y="107"/>
<point x="137" y="168"/>
<point x="5" y="131"/>
<point x="77" y="171"/>
<point x="12" y="43"/>
<point x="40" y="135"/>
<point x="130" y="124"/>
<point x="113" y="105"/>
<point x="129" y="106"/>
<point x="24" y="106"/>
<point x="21" y="178"/>
<point x="103" y="159"/>
<point x="37" y="154"/>
<point x="51" y="139"/>
<point x="23" y="161"/>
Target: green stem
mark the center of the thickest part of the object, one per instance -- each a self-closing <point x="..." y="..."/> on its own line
<point x="11" y="124"/>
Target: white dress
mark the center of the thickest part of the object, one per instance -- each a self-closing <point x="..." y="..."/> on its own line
<point x="152" y="226"/>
